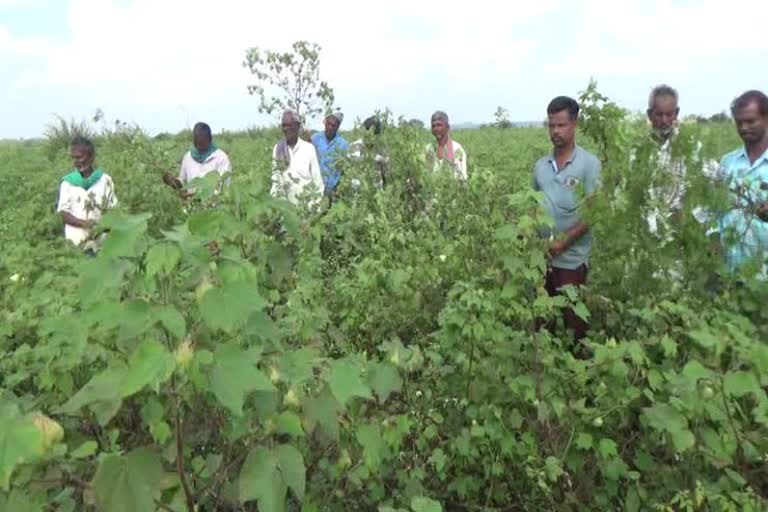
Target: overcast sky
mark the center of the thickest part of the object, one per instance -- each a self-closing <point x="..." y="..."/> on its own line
<point x="166" y="64"/>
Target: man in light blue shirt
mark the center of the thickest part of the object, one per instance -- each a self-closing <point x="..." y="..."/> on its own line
<point x="330" y="146"/>
<point x="744" y="225"/>
<point x="560" y="176"/>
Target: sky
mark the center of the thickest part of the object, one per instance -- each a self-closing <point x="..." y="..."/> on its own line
<point x="166" y="64"/>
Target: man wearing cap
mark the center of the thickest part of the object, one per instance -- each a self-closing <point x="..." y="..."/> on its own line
<point x="330" y="146"/>
<point x="204" y="157"/>
<point x="295" y="169"/>
<point x="445" y="150"/>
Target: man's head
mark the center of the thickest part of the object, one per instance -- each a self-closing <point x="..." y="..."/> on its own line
<point x="332" y="124"/>
<point x="663" y="110"/>
<point x="750" y="112"/>
<point x="202" y="137"/>
<point x="373" y="123"/>
<point x="562" y="117"/>
<point x="290" y="125"/>
<point x="440" y="125"/>
<point x="83" y="153"/>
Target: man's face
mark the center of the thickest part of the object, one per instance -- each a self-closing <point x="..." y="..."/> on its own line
<point x="290" y="128"/>
<point x="82" y="159"/>
<point x="751" y="125"/>
<point x="663" y="115"/>
<point x="331" y="127"/>
<point x="439" y="128"/>
<point x="562" y="129"/>
<point x="201" y="142"/>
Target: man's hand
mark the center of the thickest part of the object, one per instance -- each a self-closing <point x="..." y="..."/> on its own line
<point x="762" y="212"/>
<point x="172" y="181"/>
<point x="557" y="248"/>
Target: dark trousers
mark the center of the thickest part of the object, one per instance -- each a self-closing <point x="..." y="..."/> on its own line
<point x="560" y="277"/>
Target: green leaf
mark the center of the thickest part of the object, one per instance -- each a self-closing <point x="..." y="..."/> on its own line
<point x="581" y="311"/>
<point x="741" y="383"/>
<point x="128" y="483"/>
<point x="694" y="371"/>
<point x="682" y="439"/>
<point x="150" y="364"/>
<point x="384" y="379"/>
<point x="234" y="376"/>
<point x="289" y="423"/>
<point x="260" y="480"/>
<point x="704" y="338"/>
<point x="584" y="441"/>
<point x="374" y="448"/>
<point x="291" y="464"/>
<point x="171" y="319"/>
<point x="85" y="450"/>
<point x="322" y="411"/>
<point x="162" y="258"/>
<point x="228" y="308"/>
<point x="297" y="367"/>
<point x="438" y="460"/>
<point x="101" y="393"/>
<point x="20" y="441"/>
<point x="607" y="449"/>
<point x="422" y="504"/>
<point x="345" y="381"/>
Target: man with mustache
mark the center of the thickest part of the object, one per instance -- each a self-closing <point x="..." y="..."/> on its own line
<point x="445" y="150"/>
<point x="560" y="176"/>
<point x="330" y="147"/>
<point x="204" y="157"/>
<point x="84" y="194"/>
<point x="295" y="169"/>
<point x="744" y="226"/>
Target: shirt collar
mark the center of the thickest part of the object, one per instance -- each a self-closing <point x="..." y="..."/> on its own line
<point x="571" y="158"/>
<point x="762" y="158"/>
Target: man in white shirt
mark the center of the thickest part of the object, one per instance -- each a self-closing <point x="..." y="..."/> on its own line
<point x="445" y="150"/>
<point x="295" y="169"/>
<point x="670" y="183"/>
<point x="84" y="194"/>
<point x="204" y="157"/>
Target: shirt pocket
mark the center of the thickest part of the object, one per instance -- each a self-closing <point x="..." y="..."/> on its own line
<point x="565" y="195"/>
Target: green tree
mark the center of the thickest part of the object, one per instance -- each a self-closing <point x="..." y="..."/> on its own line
<point x="295" y="74"/>
<point x="501" y="117"/>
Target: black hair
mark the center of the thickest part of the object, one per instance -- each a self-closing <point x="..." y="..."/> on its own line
<point x="373" y="122"/>
<point x="564" y="103"/>
<point x="747" y="98"/>
<point x="85" y="143"/>
<point x="202" y="129"/>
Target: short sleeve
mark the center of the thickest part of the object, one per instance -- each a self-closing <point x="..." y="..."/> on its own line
<point x="592" y="178"/>
<point x="183" y="170"/>
<point x="111" y="196"/>
<point x="226" y="165"/>
<point x="64" y="203"/>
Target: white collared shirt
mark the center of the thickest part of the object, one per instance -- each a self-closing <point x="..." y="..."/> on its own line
<point x="85" y="204"/>
<point x="290" y="179"/>
<point x="458" y="164"/>
<point x="190" y="168"/>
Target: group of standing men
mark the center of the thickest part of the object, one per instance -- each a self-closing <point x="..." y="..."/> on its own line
<point x="301" y="168"/>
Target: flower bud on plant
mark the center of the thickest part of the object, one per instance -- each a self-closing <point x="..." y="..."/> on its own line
<point x="597" y="422"/>
<point x="50" y="430"/>
<point x="184" y="354"/>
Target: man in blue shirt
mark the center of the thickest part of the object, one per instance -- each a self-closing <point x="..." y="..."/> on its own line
<point x="330" y="146"/>
<point x="744" y="225"/>
<point x="560" y="176"/>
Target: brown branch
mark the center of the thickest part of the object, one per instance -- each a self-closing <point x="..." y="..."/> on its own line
<point x="180" y="459"/>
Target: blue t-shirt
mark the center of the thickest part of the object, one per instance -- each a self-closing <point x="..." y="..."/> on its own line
<point x="560" y="187"/>
<point x="327" y="154"/>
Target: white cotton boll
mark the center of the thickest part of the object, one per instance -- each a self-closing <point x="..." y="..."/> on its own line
<point x="443" y="257"/>
<point x="15" y="278"/>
